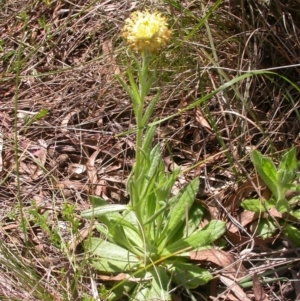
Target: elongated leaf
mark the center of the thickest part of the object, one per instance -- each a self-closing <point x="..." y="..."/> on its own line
<point x="293" y="234"/>
<point x="155" y="161"/>
<point x="267" y="171"/>
<point x="256" y="205"/>
<point x="201" y="238"/>
<point x="181" y="207"/>
<point x="189" y="275"/>
<point x="160" y="283"/>
<point x="266" y="228"/>
<point x="96" y="201"/>
<point x="122" y="230"/>
<point x="102" y="210"/>
<point x="155" y="289"/>
<point x="40" y="114"/>
<point x="166" y="182"/>
<point x="148" y="139"/>
<point x="127" y="224"/>
<point x="195" y="216"/>
<point x="116" y="235"/>
<point x="111" y="258"/>
<point x="296" y="214"/>
<point x="152" y="172"/>
<point x="118" y="292"/>
<point x="150" y="108"/>
<point x="287" y="168"/>
<point x="283" y="205"/>
<point x="134" y="90"/>
<point x="125" y="87"/>
<point x="149" y="83"/>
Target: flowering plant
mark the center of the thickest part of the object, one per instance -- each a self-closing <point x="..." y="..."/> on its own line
<point x="147" y="242"/>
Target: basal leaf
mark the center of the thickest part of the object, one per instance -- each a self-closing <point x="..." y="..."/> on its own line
<point x="118" y="292"/>
<point x="293" y="234"/>
<point x="178" y="212"/>
<point x="189" y="275"/>
<point x="117" y="235"/>
<point x="266" y="228"/>
<point x="201" y="238"/>
<point x="256" y="205"/>
<point x="103" y="210"/>
<point x="96" y="201"/>
<point x="157" y="288"/>
<point x="296" y="214"/>
<point x="195" y="216"/>
<point x="110" y="257"/>
<point x="287" y="168"/>
<point x="283" y="205"/>
<point x="160" y="283"/>
<point x="129" y="225"/>
<point x="267" y="171"/>
<point x="165" y="185"/>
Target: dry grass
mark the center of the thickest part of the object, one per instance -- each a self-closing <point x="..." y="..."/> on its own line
<point x="62" y="57"/>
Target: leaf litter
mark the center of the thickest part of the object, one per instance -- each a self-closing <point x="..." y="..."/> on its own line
<point x="70" y="56"/>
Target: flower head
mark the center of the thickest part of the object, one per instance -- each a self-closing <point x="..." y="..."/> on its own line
<point x="146" y="31"/>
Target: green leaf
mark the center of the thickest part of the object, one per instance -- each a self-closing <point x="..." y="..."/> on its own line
<point x="189" y="275"/>
<point x="181" y="207"/>
<point x="201" y="238"/>
<point x="296" y="214"/>
<point x="283" y="205"/>
<point x="151" y="172"/>
<point x="287" y="169"/>
<point x="195" y="217"/>
<point x="118" y="292"/>
<point x="293" y="234"/>
<point x="103" y="210"/>
<point x="128" y="222"/>
<point x="148" y="139"/>
<point x="110" y="257"/>
<point x="157" y="289"/>
<point x="148" y="202"/>
<point x="166" y="184"/>
<point x="134" y="90"/>
<point x="115" y="234"/>
<point x="256" y="205"/>
<point x="149" y="109"/>
<point x="265" y="228"/>
<point x="122" y="230"/>
<point x="125" y="87"/>
<point x="161" y="283"/>
<point x="267" y="171"/>
<point x="40" y="114"/>
<point x="148" y="84"/>
<point x="96" y="201"/>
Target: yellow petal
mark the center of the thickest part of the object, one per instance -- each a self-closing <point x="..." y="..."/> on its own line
<point x="146" y="31"/>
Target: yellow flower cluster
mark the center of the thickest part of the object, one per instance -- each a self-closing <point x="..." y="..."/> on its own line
<point x="146" y="31"/>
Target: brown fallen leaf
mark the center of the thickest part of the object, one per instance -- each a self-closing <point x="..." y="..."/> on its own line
<point x="247" y="217"/>
<point x="258" y="291"/>
<point x="235" y="288"/>
<point x="236" y="239"/>
<point x="83" y="233"/>
<point x="92" y="170"/>
<point x="201" y="120"/>
<point x="122" y="276"/>
<point x="253" y="185"/>
<point x="223" y="259"/>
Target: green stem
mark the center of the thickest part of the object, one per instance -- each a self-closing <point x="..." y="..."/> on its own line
<point x="143" y="77"/>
